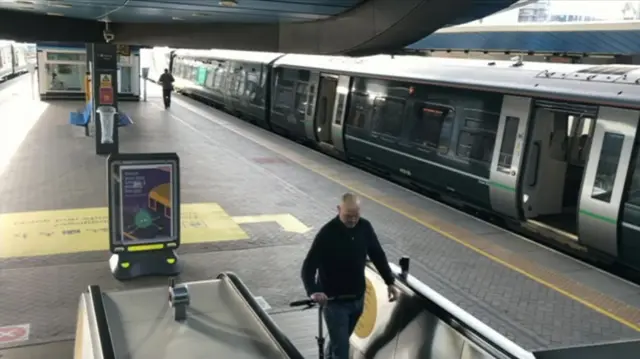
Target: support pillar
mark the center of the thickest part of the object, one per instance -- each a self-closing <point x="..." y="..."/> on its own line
<point x="103" y="66"/>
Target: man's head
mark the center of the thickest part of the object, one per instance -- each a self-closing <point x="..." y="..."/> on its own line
<point x="166" y="71"/>
<point x="349" y="210"/>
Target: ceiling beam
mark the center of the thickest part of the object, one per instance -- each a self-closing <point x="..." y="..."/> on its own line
<point x="25" y="26"/>
<point x="371" y="27"/>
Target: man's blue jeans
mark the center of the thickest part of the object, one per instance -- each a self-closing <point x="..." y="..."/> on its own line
<point x="341" y="318"/>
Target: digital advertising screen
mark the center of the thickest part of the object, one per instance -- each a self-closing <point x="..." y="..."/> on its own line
<point x="144" y="203"/>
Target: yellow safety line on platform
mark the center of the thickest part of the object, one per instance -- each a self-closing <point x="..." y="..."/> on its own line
<point x="478" y="250"/>
<point x="42" y="233"/>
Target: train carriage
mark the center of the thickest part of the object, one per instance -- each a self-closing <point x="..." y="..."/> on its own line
<point x="551" y="147"/>
<point x="235" y="80"/>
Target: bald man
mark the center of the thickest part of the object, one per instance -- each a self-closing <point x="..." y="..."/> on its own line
<point x="338" y="256"/>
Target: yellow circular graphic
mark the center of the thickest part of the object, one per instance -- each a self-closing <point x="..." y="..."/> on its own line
<point x="367" y="320"/>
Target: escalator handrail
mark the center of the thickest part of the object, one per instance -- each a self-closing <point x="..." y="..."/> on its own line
<point x="102" y="324"/>
<point x="461" y="316"/>
<point x="280" y="337"/>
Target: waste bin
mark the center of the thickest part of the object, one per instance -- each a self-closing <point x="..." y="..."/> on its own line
<point x="107" y="122"/>
<point x="145" y="73"/>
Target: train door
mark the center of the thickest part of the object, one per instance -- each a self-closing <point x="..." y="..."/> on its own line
<point x="554" y="166"/>
<point x="310" y="106"/>
<point x="327" y="91"/>
<point x="338" y="113"/>
<point x="506" y="161"/>
<point x="605" y="175"/>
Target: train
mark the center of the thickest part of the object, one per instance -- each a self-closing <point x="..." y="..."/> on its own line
<point x="13" y="60"/>
<point x="549" y="150"/>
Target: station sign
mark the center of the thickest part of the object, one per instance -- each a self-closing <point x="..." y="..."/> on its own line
<point x="144" y="202"/>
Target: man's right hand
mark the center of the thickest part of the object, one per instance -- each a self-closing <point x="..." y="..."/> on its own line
<point x="319" y="298"/>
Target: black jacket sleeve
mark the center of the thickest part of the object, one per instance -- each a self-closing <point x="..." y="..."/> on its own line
<point x="311" y="264"/>
<point x="379" y="259"/>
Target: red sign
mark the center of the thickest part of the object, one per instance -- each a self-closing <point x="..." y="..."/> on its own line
<point x="106" y="96"/>
<point x="16" y="333"/>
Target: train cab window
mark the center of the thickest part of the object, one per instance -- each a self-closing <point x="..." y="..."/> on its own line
<point x="508" y="145"/>
<point x="432" y="125"/>
<point x="607" y="166"/>
<point x="359" y="110"/>
<point x="387" y="116"/>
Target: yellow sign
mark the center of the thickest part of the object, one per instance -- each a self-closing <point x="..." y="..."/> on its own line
<point x="105" y="81"/>
<point x="82" y="230"/>
<point x="367" y="320"/>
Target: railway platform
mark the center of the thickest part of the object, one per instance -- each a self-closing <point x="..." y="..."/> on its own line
<point x="252" y="203"/>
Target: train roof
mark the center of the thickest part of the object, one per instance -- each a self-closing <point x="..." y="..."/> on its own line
<point x="231" y="55"/>
<point x="616" y="85"/>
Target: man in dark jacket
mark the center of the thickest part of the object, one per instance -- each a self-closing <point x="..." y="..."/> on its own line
<point x="338" y="256"/>
<point x="166" y="80"/>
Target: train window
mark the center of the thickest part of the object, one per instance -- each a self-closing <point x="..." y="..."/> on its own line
<point x="311" y="99"/>
<point x="559" y="135"/>
<point x="607" y="166"/>
<point x="430" y="127"/>
<point x="477" y="146"/>
<point x="634" y="188"/>
<point x="217" y="82"/>
<point x="301" y="94"/>
<point x="194" y="74"/>
<point x="342" y="98"/>
<point x="211" y="75"/>
<point x="477" y="139"/>
<point x="581" y="141"/>
<point x="358" y="110"/>
<point x="387" y="116"/>
<point x="508" y="145"/>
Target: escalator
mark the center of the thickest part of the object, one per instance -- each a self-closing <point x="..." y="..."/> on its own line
<point x="223" y="320"/>
<point x="424" y="324"/>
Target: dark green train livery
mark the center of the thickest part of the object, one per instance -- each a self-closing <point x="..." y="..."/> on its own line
<point x="550" y="148"/>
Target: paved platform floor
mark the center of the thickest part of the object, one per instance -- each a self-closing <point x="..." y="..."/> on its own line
<point x="270" y="196"/>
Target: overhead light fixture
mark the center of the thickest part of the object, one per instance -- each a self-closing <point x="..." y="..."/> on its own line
<point x="176" y="18"/>
<point x="229" y="3"/>
<point x="24" y="3"/>
<point x="55" y="14"/>
<point x="200" y="14"/>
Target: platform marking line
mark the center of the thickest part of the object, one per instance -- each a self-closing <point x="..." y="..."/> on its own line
<point x="615" y="310"/>
<point x="29" y="234"/>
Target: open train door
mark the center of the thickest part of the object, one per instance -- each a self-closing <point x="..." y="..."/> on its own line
<point x="330" y="111"/>
<point x="605" y="176"/>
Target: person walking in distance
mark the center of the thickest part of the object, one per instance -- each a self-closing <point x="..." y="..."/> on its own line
<point x="166" y="80"/>
<point x="334" y="268"/>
